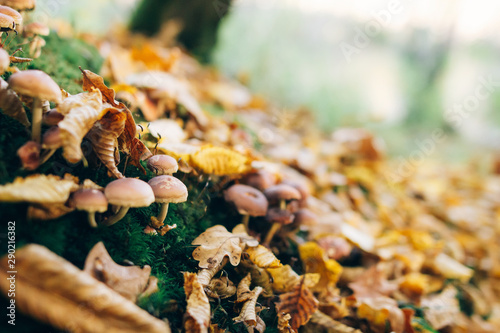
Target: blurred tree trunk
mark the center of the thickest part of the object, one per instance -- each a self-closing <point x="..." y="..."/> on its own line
<point x="199" y="18"/>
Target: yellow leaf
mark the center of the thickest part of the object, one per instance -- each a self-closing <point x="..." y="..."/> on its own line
<point x="285" y="278"/>
<point x="263" y="257"/>
<point x="315" y="261"/>
<point x="220" y="161"/>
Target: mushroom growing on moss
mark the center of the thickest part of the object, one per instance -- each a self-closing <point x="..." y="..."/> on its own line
<point x="6" y="24"/>
<point x="247" y="200"/>
<point x="16" y="16"/>
<point x="126" y="193"/>
<point x="91" y="201"/>
<point x="167" y="189"/>
<point x="162" y="165"/>
<point x="278" y="218"/>
<point x="281" y="195"/>
<point x="40" y="86"/>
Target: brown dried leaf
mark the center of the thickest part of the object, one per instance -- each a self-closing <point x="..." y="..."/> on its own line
<point x="92" y="81"/>
<point x="380" y="310"/>
<point x="372" y="283"/>
<point x="300" y="303"/>
<point x="103" y="138"/>
<point x="285" y="279"/>
<point x="243" y="292"/>
<point x="221" y="288"/>
<point x="198" y="306"/>
<point x="205" y="274"/>
<point x="43" y="189"/>
<point x="83" y="111"/>
<point x="216" y="243"/>
<point x="260" y="276"/>
<point x="284" y="323"/>
<point x="263" y="257"/>
<point x="127" y="281"/>
<point x="248" y="314"/>
<point x="320" y="322"/>
<point x="47" y="212"/>
<point x="443" y="309"/>
<point x="78" y="302"/>
<point x="11" y="105"/>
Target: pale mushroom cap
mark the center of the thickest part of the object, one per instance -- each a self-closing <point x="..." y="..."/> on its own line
<point x="19" y="4"/>
<point x="36" y="28"/>
<point x="16" y="16"/>
<point x="129" y="192"/>
<point x="35" y="83"/>
<point x="282" y="192"/>
<point x="261" y="179"/>
<point x="162" y="164"/>
<point x="168" y="189"/>
<point x="90" y="200"/>
<point x="276" y="215"/>
<point x="247" y="200"/>
<point x="7" y="22"/>
<point x="4" y="61"/>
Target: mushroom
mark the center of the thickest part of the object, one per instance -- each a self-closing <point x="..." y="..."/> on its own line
<point x="19" y="5"/>
<point x="91" y="201"/>
<point x="52" y="117"/>
<point x="281" y="194"/>
<point x="126" y="193"/>
<point x="40" y="86"/>
<point x="36" y="30"/>
<point x="302" y="188"/>
<point x="247" y="200"/>
<point x="162" y="165"/>
<point x="16" y="16"/>
<point x="261" y="179"/>
<point x="29" y="153"/>
<point x="6" y="24"/>
<point x="278" y="217"/>
<point x="167" y="189"/>
<point x="4" y="61"/>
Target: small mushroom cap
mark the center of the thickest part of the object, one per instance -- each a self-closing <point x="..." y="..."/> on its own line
<point x="18" y="19"/>
<point x="129" y="192"/>
<point x="301" y="187"/>
<point x="281" y="192"/>
<point x="276" y="215"/>
<point x="247" y="200"/>
<point x="52" y="117"/>
<point x="261" y="179"/>
<point x="52" y="138"/>
<point x="6" y="22"/>
<point x="168" y="189"/>
<point x="19" y="4"/>
<point x="4" y="61"/>
<point x="36" y="28"/>
<point x="90" y="200"/>
<point x="35" y="83"/>
<point x="162" y="164"/>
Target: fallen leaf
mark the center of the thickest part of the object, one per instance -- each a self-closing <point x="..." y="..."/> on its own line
<point x="380" y="310"/>
<point x="11" y="105"/>
<point x="243" y="292"/>
<point x="299" y="303"/>
<point x="372" y="283"/>
<point x="320" y="322"/>
<point x="205" y="275"/>
<point x="220" y="288"/>
<point x="248" y="314"/>
<point x="216" y="243"/>
<point x="128" y="281"/>
<point x="442" y="309"/>
<point x="263" y="257"/>
<point x="198" y="306"/>
<point x="219" y="161"/>
<point x="285" y="279"/>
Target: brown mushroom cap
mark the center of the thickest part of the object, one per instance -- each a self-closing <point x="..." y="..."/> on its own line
<point x="35" y="83"/>
<point x="129" y="192"/>
<point x="301" y="187"/>
<point x="276" y="215"/>
<point x="36" y="28"/>
<point x="247" y="200"/>
<point x="162" y="164"/>
<point x="90" y="200"/>
<point x="261" y="179"/>
<point x="52" y="138"/>
<point x="280" y="192"/>
<point x="6" y="23"/>
<point x="4" y="61"/>
<point x="19" y="4"/>
<point x="52" y="117"/>
<point x="168" y="189"/>
<point x="18" y="19"/>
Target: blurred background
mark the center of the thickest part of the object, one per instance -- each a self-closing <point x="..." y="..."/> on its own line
<point x="399" y="68"/>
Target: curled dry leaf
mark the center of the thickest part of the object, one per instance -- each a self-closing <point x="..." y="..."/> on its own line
<point x="83" y="111"/>
<point x="285" y="279"/>
<point x="382" y="310"/>
<point x="78" y="302"/>
<point x="198" y="306"/>
<point x="284" y="323"/>
<point x="103" y="138"/>
<point x="248" y="314"/>
<point x="206" y="274"/>
<point x="45" y="212"/>
<point x="216" y="243"/>
<point x="221" y="288"/>
<point x="128" y="281"/>
<point x="300" y="303"/>
<point x="320" y="322"/>
<point x="260" y="276"/>
<point x="11" y="105"/>
<point x="220" y="161"/>
<point x="44" y="189"/>
<point x="443" y="309"/>
<point x="263" y="257"/>
<point x="243" y="292"/>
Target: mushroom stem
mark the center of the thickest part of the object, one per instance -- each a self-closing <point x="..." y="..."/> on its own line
<point x="283" y="204"/>
<point x="36" y="121"/>
<point x="245" y="221"/>
<point x="117" y="217"/>
<point x="270" y="234"/>
<point x="163" y="212"/>
<point x="46" y="155"/>
<point x="91" y="219"/>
